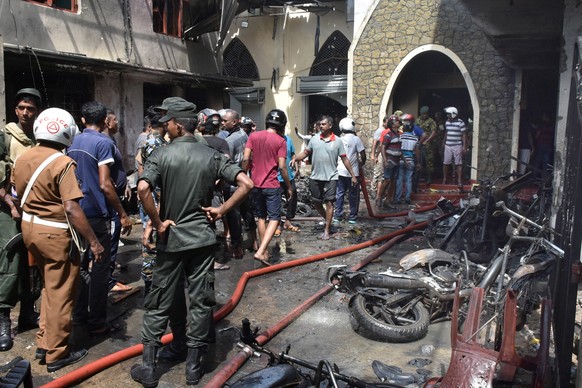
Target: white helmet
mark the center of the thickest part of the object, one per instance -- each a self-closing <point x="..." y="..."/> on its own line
<point x="347" y="124"/>
<point x="55" y="125"/>
<point x="451" y="110"/>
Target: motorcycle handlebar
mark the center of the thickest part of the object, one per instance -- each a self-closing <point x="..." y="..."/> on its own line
<point x="502" y="205"/>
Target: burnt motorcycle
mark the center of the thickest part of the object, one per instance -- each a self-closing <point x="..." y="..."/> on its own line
<point x="399" y="304"/>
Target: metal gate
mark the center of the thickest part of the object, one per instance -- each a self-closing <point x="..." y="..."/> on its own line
<point x="569" y="224"/>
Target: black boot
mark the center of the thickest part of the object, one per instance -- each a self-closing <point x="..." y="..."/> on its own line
<point x="145" y="374"/>
<point x="28" y="318"/>
<point x="5" y="330"/>
<point x="194" y="370"/>
<point x="175" y="350"/>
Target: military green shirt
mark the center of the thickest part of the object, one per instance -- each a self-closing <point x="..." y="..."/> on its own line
<point x="186" y="171"/>
<point x="428" y="125"/>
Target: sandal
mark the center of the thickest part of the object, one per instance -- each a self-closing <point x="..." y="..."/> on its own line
<point x="120" y="287"/>
<point x="263" y="261"/>
<point x="292" y="228"/>
<point x="277" y="232"/>
<point x="220" y="266"/>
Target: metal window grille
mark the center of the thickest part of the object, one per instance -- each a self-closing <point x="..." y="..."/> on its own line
<point x="332" y="58"/>
<point x="238" y="61"/>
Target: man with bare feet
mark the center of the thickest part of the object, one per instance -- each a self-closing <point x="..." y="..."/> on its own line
<point x="325" y="149"/>
<point x="266" y="152"/>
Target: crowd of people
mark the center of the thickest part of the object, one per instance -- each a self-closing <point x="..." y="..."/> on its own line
<point x="62" y="216"/>
<point x="404" y="148"/>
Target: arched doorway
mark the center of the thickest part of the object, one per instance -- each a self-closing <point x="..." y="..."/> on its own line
<point x="433" y="75"/>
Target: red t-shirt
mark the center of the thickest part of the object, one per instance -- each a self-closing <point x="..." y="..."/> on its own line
<point x="267" y="148"/>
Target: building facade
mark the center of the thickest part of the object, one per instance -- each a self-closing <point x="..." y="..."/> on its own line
<point x="128" y="55"/>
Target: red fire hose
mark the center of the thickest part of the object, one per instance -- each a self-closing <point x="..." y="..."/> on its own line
<point x="101" y="364"/>
<point x="241" y="357"/>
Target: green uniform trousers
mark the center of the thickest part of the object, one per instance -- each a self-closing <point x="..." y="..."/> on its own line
<point x="166" y="299"/>
<point x="14" y="281"/>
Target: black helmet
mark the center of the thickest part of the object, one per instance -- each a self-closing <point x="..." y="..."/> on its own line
<point x="209" y="121"/>
<point x="277" y="118"/>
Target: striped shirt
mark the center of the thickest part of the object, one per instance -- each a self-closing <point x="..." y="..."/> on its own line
<point x="454" y="132"/>
<point x="391" y="142"/>
<point x="409" y="142"/>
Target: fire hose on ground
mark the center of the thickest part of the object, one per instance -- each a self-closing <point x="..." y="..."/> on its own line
<point x="101" y="364"/>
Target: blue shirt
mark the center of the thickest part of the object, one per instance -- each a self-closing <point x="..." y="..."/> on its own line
<point x="90" y="150"/>
<point x="290" y="153"/>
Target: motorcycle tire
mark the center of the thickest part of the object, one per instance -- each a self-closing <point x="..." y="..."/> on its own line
<point x="303" y="209"/>
<point x="366" y="319"/>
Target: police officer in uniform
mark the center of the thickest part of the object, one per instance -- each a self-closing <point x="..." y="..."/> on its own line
<point x="186" y="242"/>
<point x="15" y="139"/>
<point x="45" y="181"/>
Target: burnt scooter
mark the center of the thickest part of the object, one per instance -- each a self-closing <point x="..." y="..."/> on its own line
<point x="398" y="305"/>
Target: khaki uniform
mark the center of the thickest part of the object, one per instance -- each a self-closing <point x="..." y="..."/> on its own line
<point x="47" y="237"/>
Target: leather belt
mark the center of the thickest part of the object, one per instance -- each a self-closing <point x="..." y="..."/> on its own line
<point x="36" y="220"/>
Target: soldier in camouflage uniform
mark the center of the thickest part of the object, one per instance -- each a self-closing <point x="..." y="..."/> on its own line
<point x="429" y="146"/>
<point x="154" y="140"/>
<point x="15" y="139"/>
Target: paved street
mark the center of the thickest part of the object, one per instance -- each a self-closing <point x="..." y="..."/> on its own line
<point x="322" y="332"/>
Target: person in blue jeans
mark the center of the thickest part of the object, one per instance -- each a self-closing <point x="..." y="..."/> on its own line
<point x="410" y="153"/>
<point x="354" y="148"/>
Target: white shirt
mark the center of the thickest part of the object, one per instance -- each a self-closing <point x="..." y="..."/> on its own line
<point x="353" y="146"/>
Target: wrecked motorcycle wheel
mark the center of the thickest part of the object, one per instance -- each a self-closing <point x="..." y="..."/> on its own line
<point x="372" y="319"/>
<point x="303" y="209"/>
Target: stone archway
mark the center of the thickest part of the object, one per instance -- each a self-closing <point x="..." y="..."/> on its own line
<point x="390" y="88"/>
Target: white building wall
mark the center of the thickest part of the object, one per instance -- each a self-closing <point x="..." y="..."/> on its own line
<point x="291" y="50"/>
<point x="99" y="30"/>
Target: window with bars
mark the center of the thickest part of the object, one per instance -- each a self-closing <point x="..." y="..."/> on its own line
<point x="332" y="58"/>
<point x="238" y="61"/>
<point x="167" y="17"/>
<point x="67" y="5"/>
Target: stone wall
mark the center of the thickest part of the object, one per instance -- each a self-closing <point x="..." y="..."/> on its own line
<point x="398" y="27"/>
